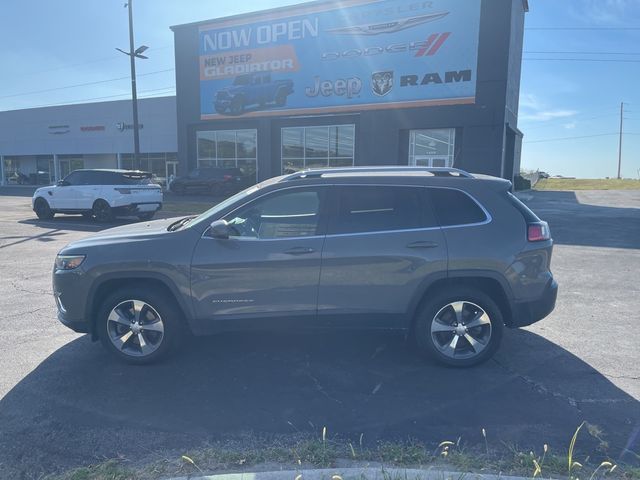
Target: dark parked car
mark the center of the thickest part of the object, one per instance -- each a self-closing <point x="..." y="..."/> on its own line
<point x="216" y="181"/>
<point x="449" y="257"/>
<point x="252" y="89"/>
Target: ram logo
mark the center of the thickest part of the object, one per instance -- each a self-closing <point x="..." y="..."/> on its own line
<point x="381" y="83"/>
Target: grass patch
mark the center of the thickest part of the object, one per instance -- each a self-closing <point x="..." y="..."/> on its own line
<point x="254" y="453"/>
<point x="587" y="184"/>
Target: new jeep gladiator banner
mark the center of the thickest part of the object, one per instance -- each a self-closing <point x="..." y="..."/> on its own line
<point x="334" y="57"/>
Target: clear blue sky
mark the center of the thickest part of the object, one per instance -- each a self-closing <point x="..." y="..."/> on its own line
<point x="65" y="43"/>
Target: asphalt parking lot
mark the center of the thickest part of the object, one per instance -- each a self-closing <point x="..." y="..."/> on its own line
<point x="65" y="403"/>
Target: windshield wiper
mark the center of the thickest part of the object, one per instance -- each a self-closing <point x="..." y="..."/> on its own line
<point x="180" y="223"/>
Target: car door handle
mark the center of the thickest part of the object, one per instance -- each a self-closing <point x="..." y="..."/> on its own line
<point x="422" y="244"/>
<point x="299" y="251"/>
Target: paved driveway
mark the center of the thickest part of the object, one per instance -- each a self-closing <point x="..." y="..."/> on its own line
<point x="64" y="402"/>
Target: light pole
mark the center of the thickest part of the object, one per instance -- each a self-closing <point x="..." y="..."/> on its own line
<point x="133" y="54"/>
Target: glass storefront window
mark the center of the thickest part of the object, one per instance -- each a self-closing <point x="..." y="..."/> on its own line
<point x="12" y="173"/>
<point x="317" y="147"/>
<point x="228" y="149"/>
<point x="155" y="163"/>
<point x="432" y="148"/>
<point x="68" y="164"/>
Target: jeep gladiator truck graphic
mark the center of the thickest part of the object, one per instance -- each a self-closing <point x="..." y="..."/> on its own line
<point x="252" y="89"/>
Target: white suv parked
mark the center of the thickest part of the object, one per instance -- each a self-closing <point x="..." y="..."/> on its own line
<point x="102" y="194"/>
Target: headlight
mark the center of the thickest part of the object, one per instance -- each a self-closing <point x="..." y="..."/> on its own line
<point x="69" y="262"/>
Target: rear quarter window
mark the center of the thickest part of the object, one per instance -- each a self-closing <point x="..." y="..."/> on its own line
<point x="454" y="207"/>
<point x="528" y="215"/>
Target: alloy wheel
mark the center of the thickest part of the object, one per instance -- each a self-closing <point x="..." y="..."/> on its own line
<point x="461" y="330"/>
<point x="135" y="328"/>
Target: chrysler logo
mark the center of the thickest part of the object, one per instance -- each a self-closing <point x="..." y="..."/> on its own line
<point x="388" y="27"/>
<point x="381" y="83"/>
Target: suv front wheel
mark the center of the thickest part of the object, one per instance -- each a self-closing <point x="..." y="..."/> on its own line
<point x="139" y="325"/>
<point x="459" y="327"/>
<point x="42" y="209"/>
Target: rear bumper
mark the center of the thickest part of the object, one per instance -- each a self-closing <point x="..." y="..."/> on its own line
<point x="526" y="313"/>
<point x="139" y="207"/>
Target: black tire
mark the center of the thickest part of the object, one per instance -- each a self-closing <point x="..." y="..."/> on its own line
<point x="220" y="110"/>
<point x="87" y="215"/>
<point x="439" y="312"/>
<point x="131" y="351"/>
<point x="237" y="106"/>
<point x="281" y="98"/>
<point x="102" y="211"/>
<point x="146" y="216"/>
<point x="42" y="209"/>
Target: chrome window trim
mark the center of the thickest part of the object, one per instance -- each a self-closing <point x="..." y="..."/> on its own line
<point x="488" y="217"/>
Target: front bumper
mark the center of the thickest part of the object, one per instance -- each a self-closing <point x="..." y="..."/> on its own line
<point x="78" y="326"/>
<point x="70" y="291"/>
<point x="526" y="313"/>
<point x="222" y="103"/>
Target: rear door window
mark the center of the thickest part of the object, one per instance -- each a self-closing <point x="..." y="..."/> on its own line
<point x="454" y="207"/>
<point x="364" y="209"/>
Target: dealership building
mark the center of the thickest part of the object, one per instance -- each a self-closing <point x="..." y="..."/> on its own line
<point x="39" y="146"/>
<point x="320" y="84"/>
<point x="355" y="82"/>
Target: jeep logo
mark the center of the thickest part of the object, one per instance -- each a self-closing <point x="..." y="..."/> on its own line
<point x="343" y="87"/>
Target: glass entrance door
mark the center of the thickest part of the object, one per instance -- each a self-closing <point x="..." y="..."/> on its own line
<point x="172" y="172"/>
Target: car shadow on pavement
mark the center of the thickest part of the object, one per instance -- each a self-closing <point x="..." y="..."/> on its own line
<point x="576" y="223"/>
<point x="80" y="405"/>
<point x="76" y="223"/>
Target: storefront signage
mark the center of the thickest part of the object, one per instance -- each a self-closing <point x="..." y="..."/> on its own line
<point x="355" y="55"/>
<point x="58" y="129"/>
<point x="127" y="126"/>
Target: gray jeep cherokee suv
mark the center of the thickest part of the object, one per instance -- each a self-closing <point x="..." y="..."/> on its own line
<point x="449" y="257"/>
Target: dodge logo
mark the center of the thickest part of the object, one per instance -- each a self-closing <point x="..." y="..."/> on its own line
<point x="381" y="83"/>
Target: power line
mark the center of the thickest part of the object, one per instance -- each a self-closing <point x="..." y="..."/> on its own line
<point x="582" y="28"/>
<point x="84" y="84"/>
<point x="570" y="138"/>
<point x="577" y="118"/>
<point x="84" y="100"/>
<point x="582" y="60"/>
<point x="582" y="53"/>
<point x="96" y="60"/>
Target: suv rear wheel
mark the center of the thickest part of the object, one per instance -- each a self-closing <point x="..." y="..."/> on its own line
<point x="460" y="327"/>
<point x="102" y="211"/>
<point x="42" y="209"/>
<point x="139" y="325"/>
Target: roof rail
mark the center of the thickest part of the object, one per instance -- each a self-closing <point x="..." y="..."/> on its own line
<point x="436" y="171"/>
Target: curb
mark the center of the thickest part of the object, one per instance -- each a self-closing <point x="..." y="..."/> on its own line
<point x="368" y="473"/>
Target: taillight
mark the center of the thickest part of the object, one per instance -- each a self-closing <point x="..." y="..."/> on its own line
<point x="226" y="178"/>
<point x="124" y="190"/>
<point x="538" y="232"/>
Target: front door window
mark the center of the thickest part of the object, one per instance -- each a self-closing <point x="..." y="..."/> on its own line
<point x="294" y="213"/>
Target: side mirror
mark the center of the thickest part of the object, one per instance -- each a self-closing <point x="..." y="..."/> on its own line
<point x="219" y="229"/>
<point x="62" y="183"/>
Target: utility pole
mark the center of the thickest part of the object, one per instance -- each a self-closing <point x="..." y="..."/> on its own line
<point x="133" y="54"/>
<point x="620" y="140"/>
<point x="134" y="92"/>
